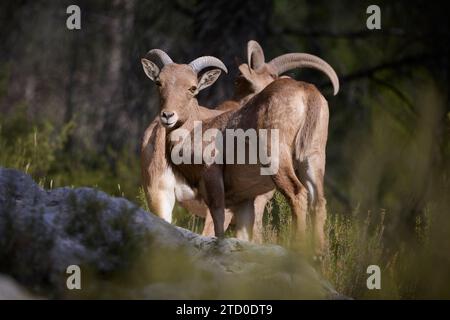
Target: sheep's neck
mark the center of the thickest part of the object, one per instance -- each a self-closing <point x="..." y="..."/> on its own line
<point x="242" y="96"/>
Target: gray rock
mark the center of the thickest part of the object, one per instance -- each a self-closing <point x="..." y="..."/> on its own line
<point x="126" y="252"/>
<point x="11" y="290"/>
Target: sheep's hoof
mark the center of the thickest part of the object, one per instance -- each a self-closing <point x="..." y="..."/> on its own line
<point x="217" y="243"/>
<point x="218" y="239"/>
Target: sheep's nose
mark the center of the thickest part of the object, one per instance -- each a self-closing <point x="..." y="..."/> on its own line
<point x="167" y="114"/>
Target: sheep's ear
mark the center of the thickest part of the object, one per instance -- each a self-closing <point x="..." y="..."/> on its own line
<point x="150" y="69"/>
<point x="208" y="78"/>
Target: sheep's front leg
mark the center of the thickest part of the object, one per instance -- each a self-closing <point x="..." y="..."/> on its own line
<point x="212" y="189"/>
<point x="208" y="229"/>
<point x="161" y="198"/>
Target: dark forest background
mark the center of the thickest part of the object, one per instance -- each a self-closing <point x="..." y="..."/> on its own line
<point x="74" y="104"/>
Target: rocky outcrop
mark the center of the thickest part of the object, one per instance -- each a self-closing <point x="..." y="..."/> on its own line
<point x="11" y="290"/>
<point x="126" y="252"/>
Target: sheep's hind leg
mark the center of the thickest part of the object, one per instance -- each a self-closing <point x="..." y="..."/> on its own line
<point x="245" y="219"/>
<point x="315" y="176"/>
<point x="260" y="204"/>
<point x="295" y="192"/>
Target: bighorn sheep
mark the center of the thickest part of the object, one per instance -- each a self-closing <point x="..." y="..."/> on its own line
<point x="309" y="157"/>
<point x="297" y="109"/>
<point x="162" y="186"/>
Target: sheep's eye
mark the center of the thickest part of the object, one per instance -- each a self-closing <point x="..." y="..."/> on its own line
<point x="158" y="83"/>
<point x="192" y="89"/>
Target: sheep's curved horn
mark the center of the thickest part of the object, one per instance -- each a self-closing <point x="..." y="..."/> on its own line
<point x="255" y="55"/>
<point x="159" y="57"/>
<point x="207" y="61"/>
<point x="290" y="61"/>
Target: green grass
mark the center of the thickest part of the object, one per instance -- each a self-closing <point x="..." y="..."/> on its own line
<point x="40" y="149"/>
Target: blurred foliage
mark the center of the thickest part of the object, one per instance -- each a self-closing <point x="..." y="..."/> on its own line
<point x="408" y="270"/>
<point x="31" y="147"/>
<point x="277" y="221"/>
<point x="38" y="148"/>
